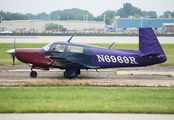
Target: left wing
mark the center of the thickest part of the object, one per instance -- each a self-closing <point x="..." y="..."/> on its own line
<point x="61" y="62"/>
<point x="56" y="61"/>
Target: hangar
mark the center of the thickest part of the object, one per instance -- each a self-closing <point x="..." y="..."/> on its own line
<point x="168" y="27"/>
<point x="159" y="24"/>
<point x="39" y="25"/>
<point x="126" y="23"/>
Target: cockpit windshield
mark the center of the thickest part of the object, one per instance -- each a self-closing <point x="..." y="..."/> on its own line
<point x="47" y="47"/>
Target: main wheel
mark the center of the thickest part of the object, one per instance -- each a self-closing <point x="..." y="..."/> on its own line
<point x="68" y="77"/>
<point x="78" y="72"/>
<point x="33" y="74"/>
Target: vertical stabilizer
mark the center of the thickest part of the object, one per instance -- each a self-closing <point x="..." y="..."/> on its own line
<point x="148" y="42"/>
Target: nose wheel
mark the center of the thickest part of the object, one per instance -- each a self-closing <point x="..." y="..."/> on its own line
<point x="33" y="74"/>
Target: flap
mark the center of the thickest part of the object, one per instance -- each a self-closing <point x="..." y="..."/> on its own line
<point x="52" y="57"/>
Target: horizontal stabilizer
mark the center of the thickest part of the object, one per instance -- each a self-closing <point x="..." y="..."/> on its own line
<point x="149" y="55"/>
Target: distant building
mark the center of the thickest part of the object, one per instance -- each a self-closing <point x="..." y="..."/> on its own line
<point x="126" y="23"/>
<point x="168" y="27"/>
<point x="39" y="25"/>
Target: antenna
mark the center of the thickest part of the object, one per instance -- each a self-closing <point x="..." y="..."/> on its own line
<point x="111" y="45"/>
<point x="70" y="38"/>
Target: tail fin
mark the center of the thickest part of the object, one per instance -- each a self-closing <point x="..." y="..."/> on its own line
<point x="148" y="43"/>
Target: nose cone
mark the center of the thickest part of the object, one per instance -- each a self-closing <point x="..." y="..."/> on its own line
<point x="27" y="55"/>
<point x="11" y="52"/>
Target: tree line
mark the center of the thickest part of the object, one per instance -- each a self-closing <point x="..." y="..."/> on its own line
<point x="13" y="16"/>
<point x="77" y="14"/>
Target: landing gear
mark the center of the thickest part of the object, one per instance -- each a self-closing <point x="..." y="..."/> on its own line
<point x="78" y="72"/>
<point x="70" y="77"/>
<point x="73" y="73"/>
<point x="33" y="74"/>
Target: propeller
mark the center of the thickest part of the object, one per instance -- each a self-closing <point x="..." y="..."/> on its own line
<point x="14" y="43"/>
<point x="13" y="60"/>
<point x="12" y="52"/>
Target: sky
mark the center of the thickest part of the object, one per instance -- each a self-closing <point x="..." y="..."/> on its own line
<point x="96" y="7"/>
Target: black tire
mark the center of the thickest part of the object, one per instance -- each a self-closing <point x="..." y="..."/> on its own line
<point x="64" y="74"/>
<point x="68" y="77"/>
<point x="77" y="72"/>
<point x="33" y="74"/>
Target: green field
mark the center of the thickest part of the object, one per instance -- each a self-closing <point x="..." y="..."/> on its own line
<point x="86" y="99"/>
<point x="7" y="59"/>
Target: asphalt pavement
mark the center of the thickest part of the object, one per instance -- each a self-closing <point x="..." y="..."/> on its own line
<point x="151" y="76"/>
<point x="79" y="39"/>
<point x="85" y="116"/>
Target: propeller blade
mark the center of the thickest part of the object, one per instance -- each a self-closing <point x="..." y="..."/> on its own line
<point x="14" y="50"/>
<point x="13" y="60"/>
<point x="14" y="43"/>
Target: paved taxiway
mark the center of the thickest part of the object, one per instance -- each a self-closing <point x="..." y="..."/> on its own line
<point x="78" y="39"/>
<point x="85" y="116"/>
<point x="153" y="76"/>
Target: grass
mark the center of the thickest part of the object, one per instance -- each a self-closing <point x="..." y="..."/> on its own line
<point x="76" y="83"/>
<point x="86" y="99"/>
<point x="7" y="59"/>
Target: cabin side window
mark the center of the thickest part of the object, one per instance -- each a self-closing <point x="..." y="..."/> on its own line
<point x="58" y="48"/>
<point x="74" y="49"/>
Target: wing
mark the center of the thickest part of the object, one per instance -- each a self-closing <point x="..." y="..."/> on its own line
<point x="57" y="61"/>
<point x="61" y="63"/>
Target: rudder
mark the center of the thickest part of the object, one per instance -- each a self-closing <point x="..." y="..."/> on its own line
<point x="148" y="42"/>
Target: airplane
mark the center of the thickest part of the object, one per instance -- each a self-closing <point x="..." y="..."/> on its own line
<point x="72" y="57"/>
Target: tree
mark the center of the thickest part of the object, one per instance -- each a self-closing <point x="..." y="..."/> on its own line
<point x="42" y="16"/>
<point x="167" y="14"/>
<point x="108" y="21"/>
<point x="51" y="26"/>
<point x="149" y="14"/>
<point x="13" y="16"/>
<point x="66" y="16"/>
<point x="129" y="10"/>
<point x="73" y="14"/>
<point x="54" y="14"/>
<point x="31" y="16"/>
<point x="76" y="11"/>
<point x="172" y="14"/>
<point x="99" y="18"/>
<point x="109" y="15"/>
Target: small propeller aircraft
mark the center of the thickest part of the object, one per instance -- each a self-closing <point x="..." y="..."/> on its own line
<point x="73" y="57"/>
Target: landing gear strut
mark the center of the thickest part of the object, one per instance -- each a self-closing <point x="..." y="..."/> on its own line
<point x="73" y="74"/>
<point x="33" y="74"/>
